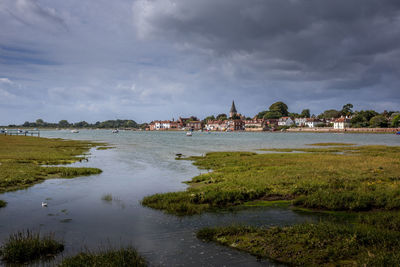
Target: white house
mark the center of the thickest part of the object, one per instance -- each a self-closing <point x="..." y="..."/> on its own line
<point x="285" y="121"/>
<point x="300" y="121"/>
<point x="216" y="125"/>
<point x="341" y="123"/>
<point x="311" y="122"/>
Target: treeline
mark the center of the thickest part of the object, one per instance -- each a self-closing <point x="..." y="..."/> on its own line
<point x="359" y="119"/>
<point x="39" y="123"/>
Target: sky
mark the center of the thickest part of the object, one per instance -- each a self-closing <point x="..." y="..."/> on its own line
<point x="144" y="60"/>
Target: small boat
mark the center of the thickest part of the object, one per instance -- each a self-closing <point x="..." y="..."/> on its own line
<point x="74" y="131"/>
<point x="115" y="131"/>
<point x="189" y="134"/>
<point x="398" y="133"/>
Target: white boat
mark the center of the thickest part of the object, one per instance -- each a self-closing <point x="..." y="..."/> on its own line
<point x="74" y="131"/>
<point x="189" y="134"/>
<point x="115" y="131"/>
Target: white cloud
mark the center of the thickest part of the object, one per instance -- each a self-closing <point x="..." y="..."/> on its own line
<point x="5" y="81"/>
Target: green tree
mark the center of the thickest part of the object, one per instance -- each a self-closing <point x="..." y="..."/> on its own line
<point x="39" y="122"/>
<point x="272" y="115"/>
<point x="261" y="114"/>
<point x="222" y="116"/>
<point x="63" y="123"/>
<point x="279" y="107"/>
<point x="347" y="110"/>
<point x="361" y="118"/>
<point x="305" y="113"/>
<point x="396" y="121"/>
<point x="330" y="113"/>
<point x="378" y="121"/>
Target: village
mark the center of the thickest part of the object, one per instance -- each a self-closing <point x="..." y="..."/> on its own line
<point x="238" y="122"/>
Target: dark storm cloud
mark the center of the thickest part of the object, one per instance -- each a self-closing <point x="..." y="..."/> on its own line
<point x="307" y="40"/>
<point x="157" y="59"/>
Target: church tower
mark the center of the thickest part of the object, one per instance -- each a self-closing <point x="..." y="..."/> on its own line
<point x="233" y="111"/>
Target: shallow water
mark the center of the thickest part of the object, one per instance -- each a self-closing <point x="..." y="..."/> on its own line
<point x="143" y="163"/>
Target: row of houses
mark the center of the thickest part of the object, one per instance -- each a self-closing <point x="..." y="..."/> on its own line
<point x="338" y="123"/>
<point x="237" y="122"/>
<point x="246" y="125"/>
<point x="181" y="124"/>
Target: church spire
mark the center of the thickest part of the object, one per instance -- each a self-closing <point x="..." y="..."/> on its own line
<point x="233" y="111"/>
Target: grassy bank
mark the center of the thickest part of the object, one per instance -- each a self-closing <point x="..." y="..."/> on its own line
<point x="26" y="246"/>
<point x="348" y="178"/>
<point x="22" y="160"/>
<point x="124" y="257"/>
<point x="370" y="240"/>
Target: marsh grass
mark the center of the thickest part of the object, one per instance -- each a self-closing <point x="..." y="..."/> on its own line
<point x="123" y="257"/>
<point x="22" y="159"/>
<point x="107" y="198"/>
<point x="367" y="241"/>
<point x="26" y="246"/>
<point x="358" y="178"/>
<point x="3" y="203"/>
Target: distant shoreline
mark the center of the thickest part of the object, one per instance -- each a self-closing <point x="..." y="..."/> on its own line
<point x="292" y="130"/>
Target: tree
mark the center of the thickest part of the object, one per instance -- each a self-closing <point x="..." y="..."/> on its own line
<point x="305" y="113"/>
<point x="222" y="116"/>
<point x="63" y="123"/>
<point x="39" y="122"/>
<point x="279" y="107"/>
<point x="396" y="121"/>
<point x="261" y="114"/>
<point x="347" y="110"/>
<point x="361" y="118"/>
<point x="209" y="118"/>
<point x="272" y="115"/>
<point x="330" y="113"/>
<point x="294" y="115"/>
<point x="130" y="124"/>
<point x="378" y="121"/>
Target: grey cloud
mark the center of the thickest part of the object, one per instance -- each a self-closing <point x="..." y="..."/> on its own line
<point x="320" y="39"/>
<point x="157" y="59"/>
<point x="31" y="13"/>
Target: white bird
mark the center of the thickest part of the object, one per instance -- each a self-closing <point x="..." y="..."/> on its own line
<point x="44" y="204"/>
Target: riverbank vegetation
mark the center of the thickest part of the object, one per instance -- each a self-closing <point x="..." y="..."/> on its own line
<point x="369" y="240"/>
<point x="124" y="257"/>
<point x="24" y="160"/>
<point x="3" y="203"/>
<point x="347" y="178"/>
<point x="26" y="246"/>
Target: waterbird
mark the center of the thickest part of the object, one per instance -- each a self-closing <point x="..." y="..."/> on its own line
<point x="44" y="204"/>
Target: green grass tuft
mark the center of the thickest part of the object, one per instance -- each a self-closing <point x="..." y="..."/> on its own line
<point x="124" y="257"/>
<point x="359" y="178"/>
<point x="107" y="197"/>
<point x="26" y="246"/>
<point x="315" y="244"/>
<point x="3" y="203"/>
<point x="22" y="160"/>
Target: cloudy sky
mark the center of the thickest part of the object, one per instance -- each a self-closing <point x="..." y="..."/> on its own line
<point x="158" y="59"/>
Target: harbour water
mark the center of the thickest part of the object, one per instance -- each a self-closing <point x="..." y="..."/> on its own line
<point x="141" y="164"/>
